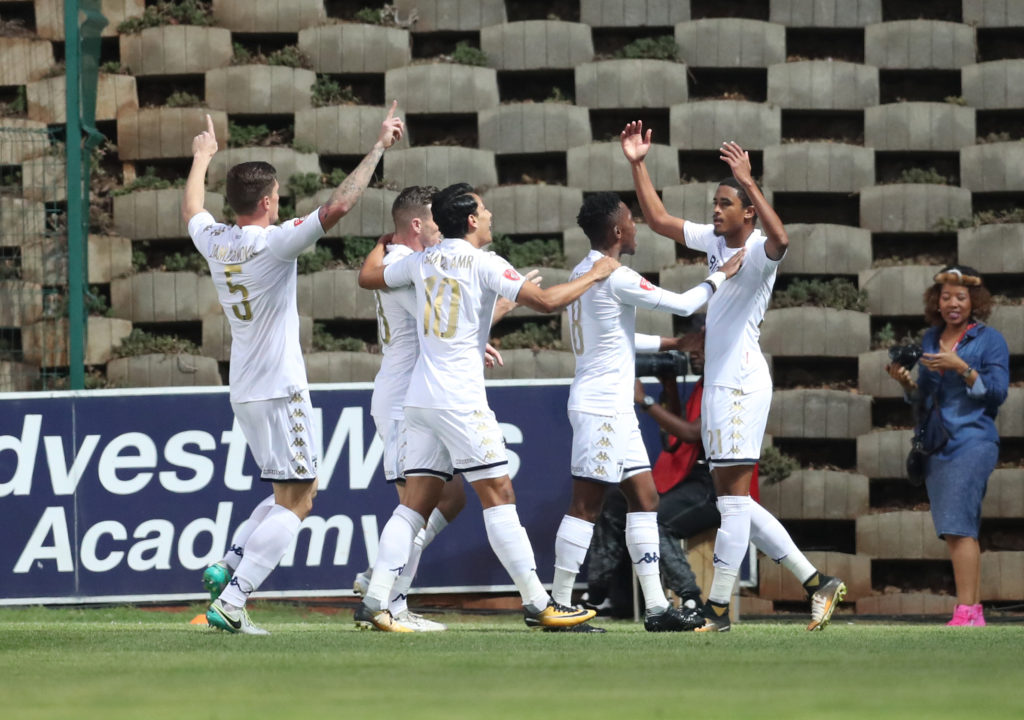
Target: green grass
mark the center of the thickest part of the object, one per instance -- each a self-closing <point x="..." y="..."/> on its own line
<point x="129" y="663"/>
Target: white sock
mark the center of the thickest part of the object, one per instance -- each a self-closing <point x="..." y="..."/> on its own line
<point x="643" y="541"/>
<point x="731" y="544"/>
<point x="772" y="539"/>
<point x="392" y="554"/>
<point x="435" y="524"/>
<point x="234" y="554"/>
<point x="511" y="544"/>
<point x="263" y="551"/>
<point x="571" y="544"/>
<point x="400" y="590"/>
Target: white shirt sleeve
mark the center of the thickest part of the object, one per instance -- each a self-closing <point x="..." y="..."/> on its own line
<point x="697" y="236"/>
<point x="645" y="344"/>
<point x="400" y="274"/>
<point x="630" y="288"/>
<point x="196" y="227"/>
<point x="287" y="240"/>
<point x="498" y="275"/>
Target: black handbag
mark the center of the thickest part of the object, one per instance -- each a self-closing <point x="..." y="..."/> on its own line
<point x="930" y="436"/>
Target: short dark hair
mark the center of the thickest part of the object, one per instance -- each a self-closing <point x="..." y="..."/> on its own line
<point x="597" y="216"/>
<point x="247" y="184"/>
<point x="412" y="202"/>
<point x="740" y="192"/>
<point x="981" y="298"/>
<point x="452" y="208"/>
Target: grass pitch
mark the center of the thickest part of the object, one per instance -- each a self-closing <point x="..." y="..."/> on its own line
<point x="129" y="663"/>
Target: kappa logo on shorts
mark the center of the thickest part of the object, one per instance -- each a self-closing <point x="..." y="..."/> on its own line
<point x="512" y="274"/>
<point x="600" y="471"/>
<point x="477" y="414"/>
<point x="605" y="427"/>
<point x="296" y="398"/>
<point x="604" y="442"/>
<point x="481" y="426"/>
<point x="298" y="442"/>
<point x="297" y="413"/>
<point x="490" y="455"/>
<point x="487" y="441"/>
<point x="736" y="421"/>
<point x="603" y="456"/>
<point x="645" y="284"/>
<point x="298" y="427"/>
<point x="301" y="470"/>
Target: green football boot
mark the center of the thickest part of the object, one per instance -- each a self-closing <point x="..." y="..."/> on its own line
<point x="215" y="578"/>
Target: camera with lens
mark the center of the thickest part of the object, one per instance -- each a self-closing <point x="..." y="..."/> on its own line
<point x="663" y="363"/>
<point x="905" y="355"/>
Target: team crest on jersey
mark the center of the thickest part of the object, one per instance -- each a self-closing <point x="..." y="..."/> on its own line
<point x="645" y="284"/>
<point x="512" y="274"/>
<point x="299" y="221"/>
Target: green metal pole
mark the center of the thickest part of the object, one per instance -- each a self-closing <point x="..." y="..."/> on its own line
<point x="73" y="154"/>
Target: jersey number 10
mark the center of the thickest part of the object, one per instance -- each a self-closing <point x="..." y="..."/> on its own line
<point x="432" y="311"/>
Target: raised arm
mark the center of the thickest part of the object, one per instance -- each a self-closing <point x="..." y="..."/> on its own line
<point x="371" y="273"/>
<point x="635" y="146"/>
<point x="556" y="297"/>
<point x="204" y="147"/>
<point x="351" y="189"/>
<point x="739" y="162"/>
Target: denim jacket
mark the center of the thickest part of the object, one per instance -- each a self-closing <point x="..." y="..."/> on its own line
<point x="968" y="413"/>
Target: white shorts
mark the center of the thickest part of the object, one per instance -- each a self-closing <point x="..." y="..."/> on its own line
<point x="280" y="436"/>
<point x="607" y="448"/>
<point x="392" y="435"/>
<point x="732" y="424"/>
<point x="443" y="442"/>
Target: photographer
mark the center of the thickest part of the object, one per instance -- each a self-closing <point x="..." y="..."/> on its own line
<point x="961" y="382"/>
<point x="681" y="476"/>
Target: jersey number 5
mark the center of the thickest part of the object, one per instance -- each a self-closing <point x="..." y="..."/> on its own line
<point x="435" y="291"/>
<point x="245" y="313"/>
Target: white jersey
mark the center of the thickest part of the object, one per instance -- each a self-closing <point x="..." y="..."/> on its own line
<point x="456" y="287"/>
<point x="399" y="344"/>
<point x="602" y="323"/>
<point x="732" y="352"/>
<point x="255" y="274"/>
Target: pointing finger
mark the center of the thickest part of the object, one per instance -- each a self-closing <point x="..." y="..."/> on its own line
<point x="209" y="125"/>
<point x="391" y="112"/>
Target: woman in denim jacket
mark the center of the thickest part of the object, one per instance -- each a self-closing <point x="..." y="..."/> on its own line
<point x="965" y="368"/>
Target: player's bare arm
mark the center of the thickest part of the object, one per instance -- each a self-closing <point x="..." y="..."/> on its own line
<point x="351" y="189"/>
<point x="738" y="161"/>
<point x="635" y="146"/>
<point x="556" y="297"/>
<point x="371" y="273"/>
<point x="204" y="147"/>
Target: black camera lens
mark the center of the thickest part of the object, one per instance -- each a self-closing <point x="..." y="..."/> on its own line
<point x="905" y="355"/>
<point x="662" y="364"/>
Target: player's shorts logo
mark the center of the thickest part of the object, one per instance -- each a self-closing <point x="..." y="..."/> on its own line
<point x="605" y="427"/>
<point x="604" y="442"/>
<point x="602" y="456"/>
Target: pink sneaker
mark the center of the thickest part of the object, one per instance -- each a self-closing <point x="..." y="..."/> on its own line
<point x="963" y="615"/>
<point x="977" y="616"/>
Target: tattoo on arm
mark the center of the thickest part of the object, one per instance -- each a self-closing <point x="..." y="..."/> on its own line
<point x="354" y="185"/>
